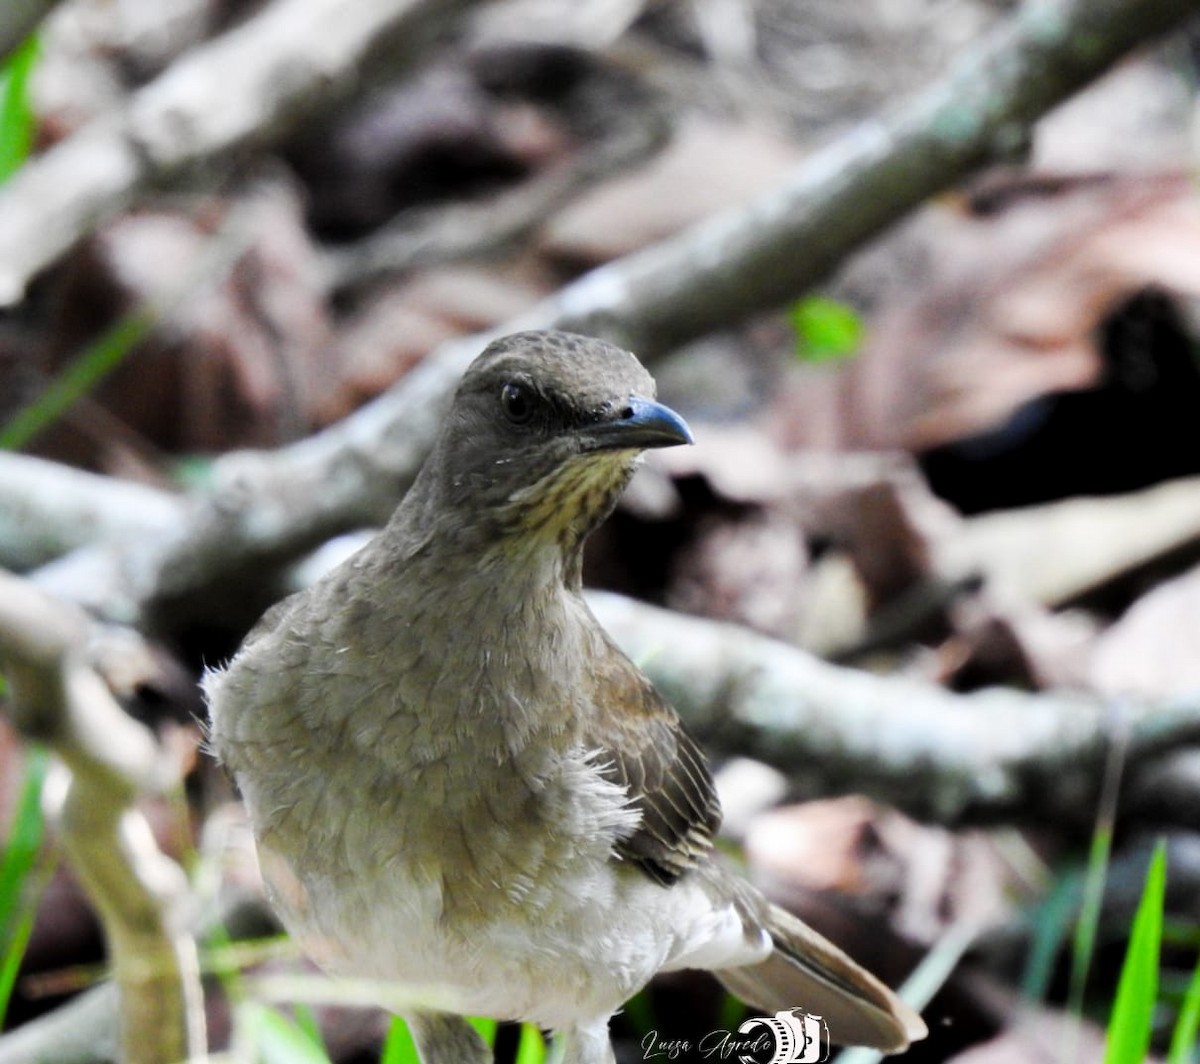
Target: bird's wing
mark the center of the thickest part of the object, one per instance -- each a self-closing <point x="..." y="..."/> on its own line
<point x="643" y="747"/>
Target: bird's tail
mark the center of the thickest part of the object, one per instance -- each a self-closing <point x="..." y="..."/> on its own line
<point x="807" y="971"/>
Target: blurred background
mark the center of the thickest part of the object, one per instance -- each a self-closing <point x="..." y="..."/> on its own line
<point x="960" y="459"/>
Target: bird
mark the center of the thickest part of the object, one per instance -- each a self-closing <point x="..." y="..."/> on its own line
<point x="462" y="789"/>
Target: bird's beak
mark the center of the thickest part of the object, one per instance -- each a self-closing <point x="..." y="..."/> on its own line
<point x="636" y="425"/>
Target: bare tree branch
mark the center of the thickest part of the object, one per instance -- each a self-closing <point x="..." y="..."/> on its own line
<point x="140" y="894"/>
<point x="1057" y="552"/>
<point x="47" y="509"/>
<point x="80" y="1031"/>
<point x="263" y="508"/>
<point x="754" y="258"/>
<point x="267" y="507"/>
<point x="996" y="754"/>
<point x="250" y="84"/>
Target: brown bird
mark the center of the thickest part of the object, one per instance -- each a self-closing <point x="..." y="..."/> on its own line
<point x="459" y="785"/>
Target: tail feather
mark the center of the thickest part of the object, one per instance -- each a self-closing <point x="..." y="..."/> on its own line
<point x="807" y="971"/>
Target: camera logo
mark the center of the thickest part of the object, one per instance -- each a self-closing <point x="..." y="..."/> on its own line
<point x="799" y="1037"/>
<point x="788" y="1037"/>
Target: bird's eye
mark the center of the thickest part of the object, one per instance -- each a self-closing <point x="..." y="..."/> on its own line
<point x="518" y="402"/>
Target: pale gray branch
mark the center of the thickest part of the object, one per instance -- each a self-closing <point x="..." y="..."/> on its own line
<point x="106" y="759"/>
<point x="81" y="1031"/>
<point x="267" y="507"/>
<point x="995" y="754"/>
<point x="264" y="508"/>
<point x="756" y="257"/>
<point x="48" y="509"/>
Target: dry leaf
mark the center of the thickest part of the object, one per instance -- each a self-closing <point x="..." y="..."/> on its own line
<point x="1012" y="307"/>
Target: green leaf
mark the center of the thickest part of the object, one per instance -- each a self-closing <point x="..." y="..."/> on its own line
<point x="17" y="120"/>
<point x="1183" y="1038"/>
<point x="1137" y="990"/>
<point x="826" y="330"/>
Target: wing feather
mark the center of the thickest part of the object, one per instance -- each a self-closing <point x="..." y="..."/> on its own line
<point x="644" y="747"/>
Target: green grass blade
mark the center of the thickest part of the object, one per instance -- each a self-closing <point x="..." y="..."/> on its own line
<point x="277" y="1040"/>
<point x="78" y="378"/>
<point x="923" y="982"/>
<point x="17" y="120"/>
<point x="17" y="904"/>
<point x="1187" y="1024"/>
<point x="1137" y="991"/>
<point x="24" y="842"/>
<point x="1051" y="924"/>
<point x="1084" y="939"/>
<point x="531" y="1047"/>
<point x="398" y="1047"/>
<point x="485" y="1027"/>
<point x="306" y="1022"/>
<point x="10" y="960"/>
<point x="107" y="352"/>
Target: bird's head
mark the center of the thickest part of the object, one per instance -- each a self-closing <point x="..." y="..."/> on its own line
<point x="543" y="434"/>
